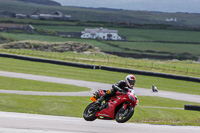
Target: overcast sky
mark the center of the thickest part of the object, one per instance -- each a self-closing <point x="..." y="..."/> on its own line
<point x="192" y="6"/>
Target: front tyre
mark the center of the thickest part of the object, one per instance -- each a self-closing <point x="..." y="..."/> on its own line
<point x="89" y="112"/>
<point x="124" y="115"/>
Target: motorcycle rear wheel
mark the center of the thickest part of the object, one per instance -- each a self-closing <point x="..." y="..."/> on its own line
<point x="124" y="115"/>
<point x="89" y="113"/>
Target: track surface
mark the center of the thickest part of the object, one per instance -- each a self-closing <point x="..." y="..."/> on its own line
<point x="48" y="124"/>
<point x="31" y="123"/>
<point x="93" y="85"/>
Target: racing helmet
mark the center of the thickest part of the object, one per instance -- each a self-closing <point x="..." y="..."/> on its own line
<point x="130" y="80"/>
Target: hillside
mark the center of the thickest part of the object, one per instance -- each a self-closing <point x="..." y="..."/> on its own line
<point x="105" y="15"/>
<point x="43" y="2"/>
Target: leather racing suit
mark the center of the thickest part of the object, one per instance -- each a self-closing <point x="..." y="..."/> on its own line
<point x="119" y="86"/>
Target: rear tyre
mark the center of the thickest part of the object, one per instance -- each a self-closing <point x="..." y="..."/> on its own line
<point x="90" y="112"/>
<point x="124" y="115"/>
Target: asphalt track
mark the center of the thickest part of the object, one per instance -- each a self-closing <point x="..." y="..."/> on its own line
<point x="32" y="123"/>
<point x="93" y="85"/>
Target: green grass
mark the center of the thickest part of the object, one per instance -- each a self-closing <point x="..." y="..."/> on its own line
<point x="146" y="101"/>
<point x="60" y="28"/>
<point x="188" y="68"/>
<point x="84" y="14"/>
<point x="7" y="83"/>
<point x="177" y="44"/>
<point x="74" y="106"/>
<point x="136" y="34"/>
<point x="156" y="48"/>
<point x="46" y="38"/>
<point x="20" y="66"/>
<point x="166" y="116"/>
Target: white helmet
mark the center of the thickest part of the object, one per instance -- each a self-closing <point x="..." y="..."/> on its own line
<point x="130" y="80"/>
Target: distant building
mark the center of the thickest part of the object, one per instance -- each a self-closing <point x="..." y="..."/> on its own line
<point x="16" y="27"/>
<point x="100" y="33"/>
<point x="54" y="16"/>
<point x="58" y="13"/>
<point x="199" y="59"/>
<point x="171" y="20"/>
<point x="34" y="16"/>
<point x="37" y="12"/>
<point x="21" y="16"/>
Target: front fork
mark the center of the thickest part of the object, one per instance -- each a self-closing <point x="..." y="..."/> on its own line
<point x="125" y="105"/>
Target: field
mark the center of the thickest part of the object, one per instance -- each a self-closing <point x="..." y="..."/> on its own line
<point x="20" y="66"/>
<point x="154" y="41"/>
<point x="152" y="110"/>
<point x="188" y="68"/>
<point x="136" y="34"/>
<point x="74" y="107"/>
<point x="143" y="43"/>
<point x="7" y="83"/>
<point x="140" y="43"/>
<point x="90" y="14"/>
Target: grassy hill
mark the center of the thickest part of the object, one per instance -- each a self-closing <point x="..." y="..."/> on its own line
<point x="92" y="14"/>
<point x="140" y="43"/>
<point x="43" y="2"/>
<point x="155" y="42"/>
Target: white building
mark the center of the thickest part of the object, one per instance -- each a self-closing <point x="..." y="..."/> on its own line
<point x="100" y="33"/>
<point x="54" y="16"/>
<point x="171" y="20"/>
<point x="20" y="16"/>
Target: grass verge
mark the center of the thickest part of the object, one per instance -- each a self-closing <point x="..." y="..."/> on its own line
<point x="74" y="106"/>
<point x="7" y="83"/>
<point x="14" y="65"/>
<point x="187" y="68"/>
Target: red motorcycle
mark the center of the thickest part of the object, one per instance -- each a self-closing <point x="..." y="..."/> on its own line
<point x="119" y="107"/>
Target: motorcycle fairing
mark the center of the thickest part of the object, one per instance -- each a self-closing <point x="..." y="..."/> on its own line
<point x="110" y="111"/>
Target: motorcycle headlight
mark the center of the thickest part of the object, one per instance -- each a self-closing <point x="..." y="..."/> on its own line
<point x="131" y="97"/>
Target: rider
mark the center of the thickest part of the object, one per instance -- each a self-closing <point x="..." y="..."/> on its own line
<point x="120" y="85"/>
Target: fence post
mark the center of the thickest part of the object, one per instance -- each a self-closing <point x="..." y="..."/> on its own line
<point x="152" y="66"/>
<point x="114" y="60"/>
<point x="145" y="65"/>
<point x="163" y="67"/>
<point x="169" y="67"/>
<point x="108" y="58"/>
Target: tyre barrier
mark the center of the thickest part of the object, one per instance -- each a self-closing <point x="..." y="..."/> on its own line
<point x="192" y="107"/>
<point x="148" y="73"/>
<point x="115" y="69"/>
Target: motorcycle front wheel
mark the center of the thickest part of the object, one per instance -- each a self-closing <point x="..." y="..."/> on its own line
<point x="89" y="112"/>
<point x="124" y="115"/>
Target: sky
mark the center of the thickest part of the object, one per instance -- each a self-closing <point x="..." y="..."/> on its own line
<point x="190" y="6"/>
